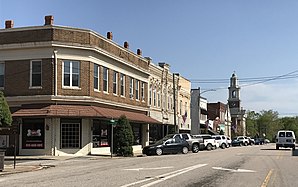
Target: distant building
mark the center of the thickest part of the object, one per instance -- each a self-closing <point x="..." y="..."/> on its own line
<point x="219" y="114"/>
<point x="238" y="116"/>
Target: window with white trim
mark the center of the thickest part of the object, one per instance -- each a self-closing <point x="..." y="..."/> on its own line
<point x="105" y="79"/>
<point x="158" y="99"/>
<point x="2" y="70"/>
<point x="143" y="91"/>
<point x="131" y="88"/>
<point x="71" y="73"/>
<point x="96" y="77"/>
<point x="137" y="89"/>
<point x="122" y="84"/>
<point x="180" y="107"/>
<point x="70" y="135"/>
<point x="150" y="95"/>
<point x="154" y="96"/>
<point x="115" y="82"/>
<point x="35" y="73"/>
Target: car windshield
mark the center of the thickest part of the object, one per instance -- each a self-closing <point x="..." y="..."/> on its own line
<point x="161" y="141"/>
<point x="289" y="134"/>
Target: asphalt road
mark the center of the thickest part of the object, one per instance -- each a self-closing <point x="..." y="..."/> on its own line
<point x="237" y="166"/>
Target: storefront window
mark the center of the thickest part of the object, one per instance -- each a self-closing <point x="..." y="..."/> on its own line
<point x="33" y="134"/>
<point x="70" y="134"/>
<point x="100" y="136"/>
<point x="137" y="133"/>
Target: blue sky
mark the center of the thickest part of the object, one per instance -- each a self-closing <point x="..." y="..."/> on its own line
<point x="199" y="39"/>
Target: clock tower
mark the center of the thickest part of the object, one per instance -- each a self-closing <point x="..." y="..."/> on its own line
<point x="237" y="113"/>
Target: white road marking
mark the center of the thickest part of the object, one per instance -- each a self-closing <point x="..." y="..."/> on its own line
<point x="138" y="169"/>
<point x="234" y="170"/>
<point x="165" y="176"/>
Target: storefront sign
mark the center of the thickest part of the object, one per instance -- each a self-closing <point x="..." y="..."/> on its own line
<point x="33" y="136"/>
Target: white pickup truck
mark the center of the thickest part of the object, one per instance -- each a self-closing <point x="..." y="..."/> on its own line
<point x="209" y="142"/>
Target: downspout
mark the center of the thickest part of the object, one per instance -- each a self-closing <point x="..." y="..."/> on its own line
<point x="56" y="69"/>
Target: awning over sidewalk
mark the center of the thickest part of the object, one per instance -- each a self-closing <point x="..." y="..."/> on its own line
<point x="83" y="111"/>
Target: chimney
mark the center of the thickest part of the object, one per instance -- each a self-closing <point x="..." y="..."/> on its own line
<point x="49" y="20"/>
<point x="110" y="35"/>
<point x="126" y="45"/>
<point x="139" y="52"/>
<point x="8" y="24"/>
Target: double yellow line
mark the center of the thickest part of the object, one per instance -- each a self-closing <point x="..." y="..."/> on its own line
<point x="266" y="181"/>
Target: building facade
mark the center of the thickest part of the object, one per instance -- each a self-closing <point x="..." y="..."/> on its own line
<point x="66" y="85"/>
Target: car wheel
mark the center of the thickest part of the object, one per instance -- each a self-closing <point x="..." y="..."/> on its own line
<point x="209" y="147"/>
<point x="185" y="150"/>
<point x="245" y="143"/>
<point x="223" y="146"/>
<point x="195" y="148"/>
<point x="159" y="151"/>
<point x="277" y="147"/>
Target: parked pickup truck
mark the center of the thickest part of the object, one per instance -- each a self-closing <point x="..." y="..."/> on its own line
<point x="195" y="144"/>
<point x="209" y="142"/>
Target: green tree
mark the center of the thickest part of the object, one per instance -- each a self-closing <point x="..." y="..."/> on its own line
<point x="123" y="138"/>
<point x="5" y="115"/>
<point x="251" y="123"/>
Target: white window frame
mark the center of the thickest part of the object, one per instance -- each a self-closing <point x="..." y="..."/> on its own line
<point x="122" y="85"/>
<point x="137" y="89"/>
<point x="115" y="82"/>
<point x="96" y="67"/>
<point x="154" y="96"/>
<point x="71" y="73"/>
<point x="105" y="79"/>
<point x="150" y="95"/>
<point x="158" y="99"/>
<point x="31" y="73"/>
<point x="2" y="74"/>
<point x="131" y="81"/>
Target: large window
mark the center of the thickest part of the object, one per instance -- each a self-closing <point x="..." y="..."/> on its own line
<point x="122" y="84"/>
<point x="137" y="89"/>
<point x="115" y="82"/>
<point x="96" y="77"/>
<point x="70" y="135"/>
<point x="105" y="79"/>
<point x="35" y="73"/>
<point x="143" y="91"/>
<point x="101" y="134"/>
<point x="150" y="95"/>
<point x="71" y="74"/>
<point x="154" y="96"/>
<point x="158" y="99"/>
<point x="33" y="134"/>
<point x="2" y="74"/>
<point x="131" y="88"/>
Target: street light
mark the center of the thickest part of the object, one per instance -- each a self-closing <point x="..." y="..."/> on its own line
<point x="174" y="98"/>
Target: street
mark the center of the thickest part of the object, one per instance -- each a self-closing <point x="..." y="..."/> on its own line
<point x="259" y="165"/>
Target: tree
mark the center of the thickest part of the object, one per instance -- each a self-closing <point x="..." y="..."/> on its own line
<point x="123" y="138"/>
<point x="5" y="115"/>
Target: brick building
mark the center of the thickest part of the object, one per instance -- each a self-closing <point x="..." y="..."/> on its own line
<point x="64" y="85"/>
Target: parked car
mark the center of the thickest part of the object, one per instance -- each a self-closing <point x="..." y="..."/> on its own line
<point x="221" y="140"/>
<point x="167" y="145"/>
<point x="251" y="141"/>
<point x="209" y="142"/>
<point x="259" y="141"/>
<point x="285" y="138"/>
<point x="240" y="141"/>
<point x="195" y="144"/>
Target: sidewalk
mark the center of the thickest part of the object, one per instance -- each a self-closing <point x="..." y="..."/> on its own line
<point x="23" y="167"/>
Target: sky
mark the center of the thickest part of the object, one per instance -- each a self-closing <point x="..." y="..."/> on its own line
<point x="206" y="41"/>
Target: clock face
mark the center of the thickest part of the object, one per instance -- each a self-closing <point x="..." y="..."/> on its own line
<point x="234" y="104"/>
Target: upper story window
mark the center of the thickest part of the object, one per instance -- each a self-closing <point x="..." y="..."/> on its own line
<point x="137" y="89"/>
<point x="2" y="66"/>
<point x="131" y="88"/>
<point x="115" y="82"/>
<point x="96" y="77"/>
<point x="150" y="95"/>
<point x="122" y="84"/>
<point x="186" y="108"/>
<point x="35" y="73"/>
<point x="105" y="73"/>
<point x="180" y="107"/>
<point x="143" y="91"/>
<point x="154" y="96"/>
<point x="71" y="73"/>
<point x="158" y="99"/>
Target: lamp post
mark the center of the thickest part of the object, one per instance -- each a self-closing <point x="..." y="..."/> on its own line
<point x="174" y="98"/>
